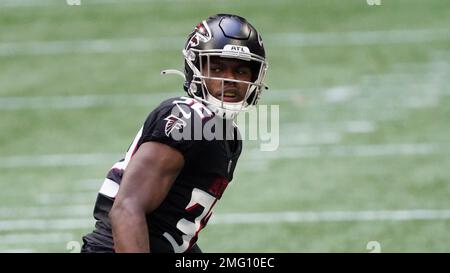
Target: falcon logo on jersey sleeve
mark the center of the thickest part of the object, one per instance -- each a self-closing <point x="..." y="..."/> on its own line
<point x="173" y="123"/>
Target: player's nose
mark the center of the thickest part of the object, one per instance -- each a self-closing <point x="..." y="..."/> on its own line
<point x="229" y="74"/>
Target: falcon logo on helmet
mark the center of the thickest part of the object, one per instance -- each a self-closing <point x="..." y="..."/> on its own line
<point x="200" y="33"/>
<point x="203" y="30"/>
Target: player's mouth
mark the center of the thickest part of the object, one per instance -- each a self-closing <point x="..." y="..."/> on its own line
<point x="230" y="96"/>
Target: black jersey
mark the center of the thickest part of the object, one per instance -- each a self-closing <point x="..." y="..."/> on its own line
<point x="210" y="146"/>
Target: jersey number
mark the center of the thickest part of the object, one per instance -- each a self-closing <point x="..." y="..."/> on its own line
<point x="191" y="229"/>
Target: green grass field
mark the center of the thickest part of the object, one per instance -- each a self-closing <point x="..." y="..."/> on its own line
<point x="364" y="100"/>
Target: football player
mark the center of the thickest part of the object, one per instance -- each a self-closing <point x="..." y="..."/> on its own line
<point x="159" y="197"/>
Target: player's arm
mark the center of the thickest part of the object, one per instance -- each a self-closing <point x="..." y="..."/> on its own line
<point x="147" y="180"/>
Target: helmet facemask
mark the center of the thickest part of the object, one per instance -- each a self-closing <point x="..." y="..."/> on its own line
<point x="199" y="61"/>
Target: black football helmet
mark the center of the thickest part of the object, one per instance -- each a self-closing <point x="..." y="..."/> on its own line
<point x="225" y="36"/>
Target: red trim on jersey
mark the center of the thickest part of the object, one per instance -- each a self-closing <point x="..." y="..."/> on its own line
<point x="218" y="186"/>
<point x="202" y="225"/>
<point x="191" y="208"/>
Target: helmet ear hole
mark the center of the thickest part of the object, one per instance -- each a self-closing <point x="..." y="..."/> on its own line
<point x="194" y="90"/>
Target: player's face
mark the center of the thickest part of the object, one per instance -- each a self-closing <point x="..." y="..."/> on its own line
<point x="231" y="69"/>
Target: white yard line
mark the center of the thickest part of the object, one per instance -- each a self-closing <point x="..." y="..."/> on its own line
<point x="360" y="38"/>
<point x="35" y="238"/>
<point x="246" y="218"/>
<point x="109" y="100"/>
<point x="83" y="101"/>
<point x="339" y="94"/>
<point x="359" y="126"/>
<point x="40" y="224"/>
<point x="73" y="198"/>
<point x="17" y="250"/>
<point x="372" y="150"/>
<point x="29" y="3"/>
<point x="318" y="133"/>
<point x="63" y="3"/>
<point x="88" y="46"/>
<point x="330" y="216"/>
<point x="298" y="137"/>
<point x="297" y="39"/>
<point x="369" y="150"/>
<point x="46" y="211"/>
<point x="131" y="99"/>
<point x="58" y="160"/>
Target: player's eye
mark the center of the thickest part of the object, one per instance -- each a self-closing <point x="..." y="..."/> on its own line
<point x="244" y="71"/>
<point x="215" y="68"/>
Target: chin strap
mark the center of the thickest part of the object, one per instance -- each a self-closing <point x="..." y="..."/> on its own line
<point x="174" y="72"/>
